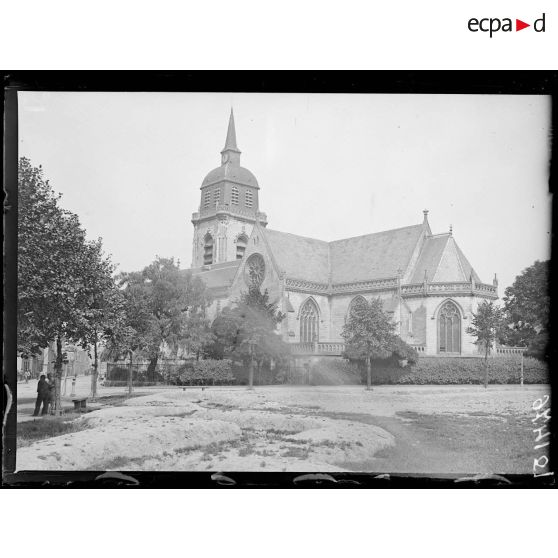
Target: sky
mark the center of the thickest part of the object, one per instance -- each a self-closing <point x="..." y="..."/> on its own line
<point x="329" y="166"/>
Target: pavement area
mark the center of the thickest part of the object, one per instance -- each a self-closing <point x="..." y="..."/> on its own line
<point x="27" y="394"/>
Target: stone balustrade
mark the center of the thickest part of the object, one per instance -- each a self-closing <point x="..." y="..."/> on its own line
<point x="510" y="350"/>
<point x="449" y="288"/>
<point x="230" y="209"/>
<point x="317" y="348"/>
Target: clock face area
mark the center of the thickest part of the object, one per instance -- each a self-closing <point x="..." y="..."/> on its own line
<point x="224" y="158"/>
<point x="254" y="270"/>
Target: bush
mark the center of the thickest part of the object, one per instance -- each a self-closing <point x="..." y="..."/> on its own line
<point x="118" y="376"/>
<point x="445" y="370"/>
<point x="334" y="371"/>
<point x="404" y="351"/>
<point x="206" y="371"/>
<point x="264" y="376"/>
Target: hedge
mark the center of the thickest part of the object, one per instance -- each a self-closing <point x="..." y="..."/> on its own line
<point x="440" y="370"/>
<point x="206" y="371"/>
<point x="334" y="371"/>
<point x="431" y="370"/>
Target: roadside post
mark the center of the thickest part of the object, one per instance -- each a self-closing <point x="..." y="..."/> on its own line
<point x="521" y="379"/>
<point x="251" y="344"/>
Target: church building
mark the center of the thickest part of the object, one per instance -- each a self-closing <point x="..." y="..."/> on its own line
<point x="426" y="283"/>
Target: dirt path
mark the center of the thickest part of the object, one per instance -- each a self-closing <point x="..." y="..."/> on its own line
<point x="439" y="444"/>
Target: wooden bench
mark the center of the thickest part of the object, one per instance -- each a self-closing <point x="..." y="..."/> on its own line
<point x="80" y="404"/>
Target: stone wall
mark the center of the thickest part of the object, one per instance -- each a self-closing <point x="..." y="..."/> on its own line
<point x="224" y="230"/>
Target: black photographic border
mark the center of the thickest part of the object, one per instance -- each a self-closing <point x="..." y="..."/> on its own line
<point x="359" y="82"/>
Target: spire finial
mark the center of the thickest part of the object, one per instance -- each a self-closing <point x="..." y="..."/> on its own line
<point x="425" y="213"/>
<point x="230" y="142"/>
<point x="230" y="153"/>
<point x="451" y="230"/>
<point x="495" y="280"/>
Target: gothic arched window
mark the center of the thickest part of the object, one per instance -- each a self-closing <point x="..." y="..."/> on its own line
<point x="208" y="249"/>
<point x="309" y="325"/>
<point x="241" y="243"/>
<point x="449" y="328"/>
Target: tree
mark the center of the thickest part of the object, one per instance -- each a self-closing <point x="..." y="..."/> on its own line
<point x="369" y="334"/>
<point x="57" y="279"/>
<point x="526" y="310"/>
<point x="104" y="305"/>
<point x="165" y="310"/>
<point x="247" y="332"/>
<point x="485" y="326"/>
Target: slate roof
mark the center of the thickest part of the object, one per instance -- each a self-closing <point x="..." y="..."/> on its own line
<point x="230" y="142"/>
<point x="373" y="256"/>
<point x="361" y="258"/>
<point x="467" y="267"/>
<point x="232" y="173"/>
<point x="219" y="275"/>
<point x="430" y="256"/>
<point x="300" y="257"/>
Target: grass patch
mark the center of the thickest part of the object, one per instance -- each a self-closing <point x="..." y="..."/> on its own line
<point x="299" y="453"/>
<point x="47" y="427"/>
<point x="507" y="440"/>
<point x="220" y="406"/>
<point x="184" y="414"/>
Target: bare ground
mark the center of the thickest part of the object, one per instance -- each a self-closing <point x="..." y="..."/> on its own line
<point x="415" y="429"/>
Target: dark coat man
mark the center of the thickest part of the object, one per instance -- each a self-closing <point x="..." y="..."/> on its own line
<point x="43" y="396"/>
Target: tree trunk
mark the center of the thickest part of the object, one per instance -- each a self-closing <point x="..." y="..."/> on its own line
<point x="486" y="367"/>
<point x="65" y="378"/>
<point x="368" y="374"/>
<point x="151" y="367"/>
<point x="95" y="371"/>
<point x="251" y="374"/>
<point x="130" y="375"/>
<point x="57" y="403"/>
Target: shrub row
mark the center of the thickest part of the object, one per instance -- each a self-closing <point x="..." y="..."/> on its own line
<point x="334" y="371"/>
<point x="433" y="370"/>
<point x="206" y="371"/>
<point x="120" y="374"/>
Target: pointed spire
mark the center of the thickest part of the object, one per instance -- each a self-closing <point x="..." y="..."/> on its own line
<point x="230" y="143"/>
<point x="495" y="280"/>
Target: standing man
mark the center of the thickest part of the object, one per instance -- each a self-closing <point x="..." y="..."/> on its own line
<point x="43" y="396"/>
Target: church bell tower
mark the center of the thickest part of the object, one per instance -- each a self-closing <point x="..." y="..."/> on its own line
<point x="228" y="208"/>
